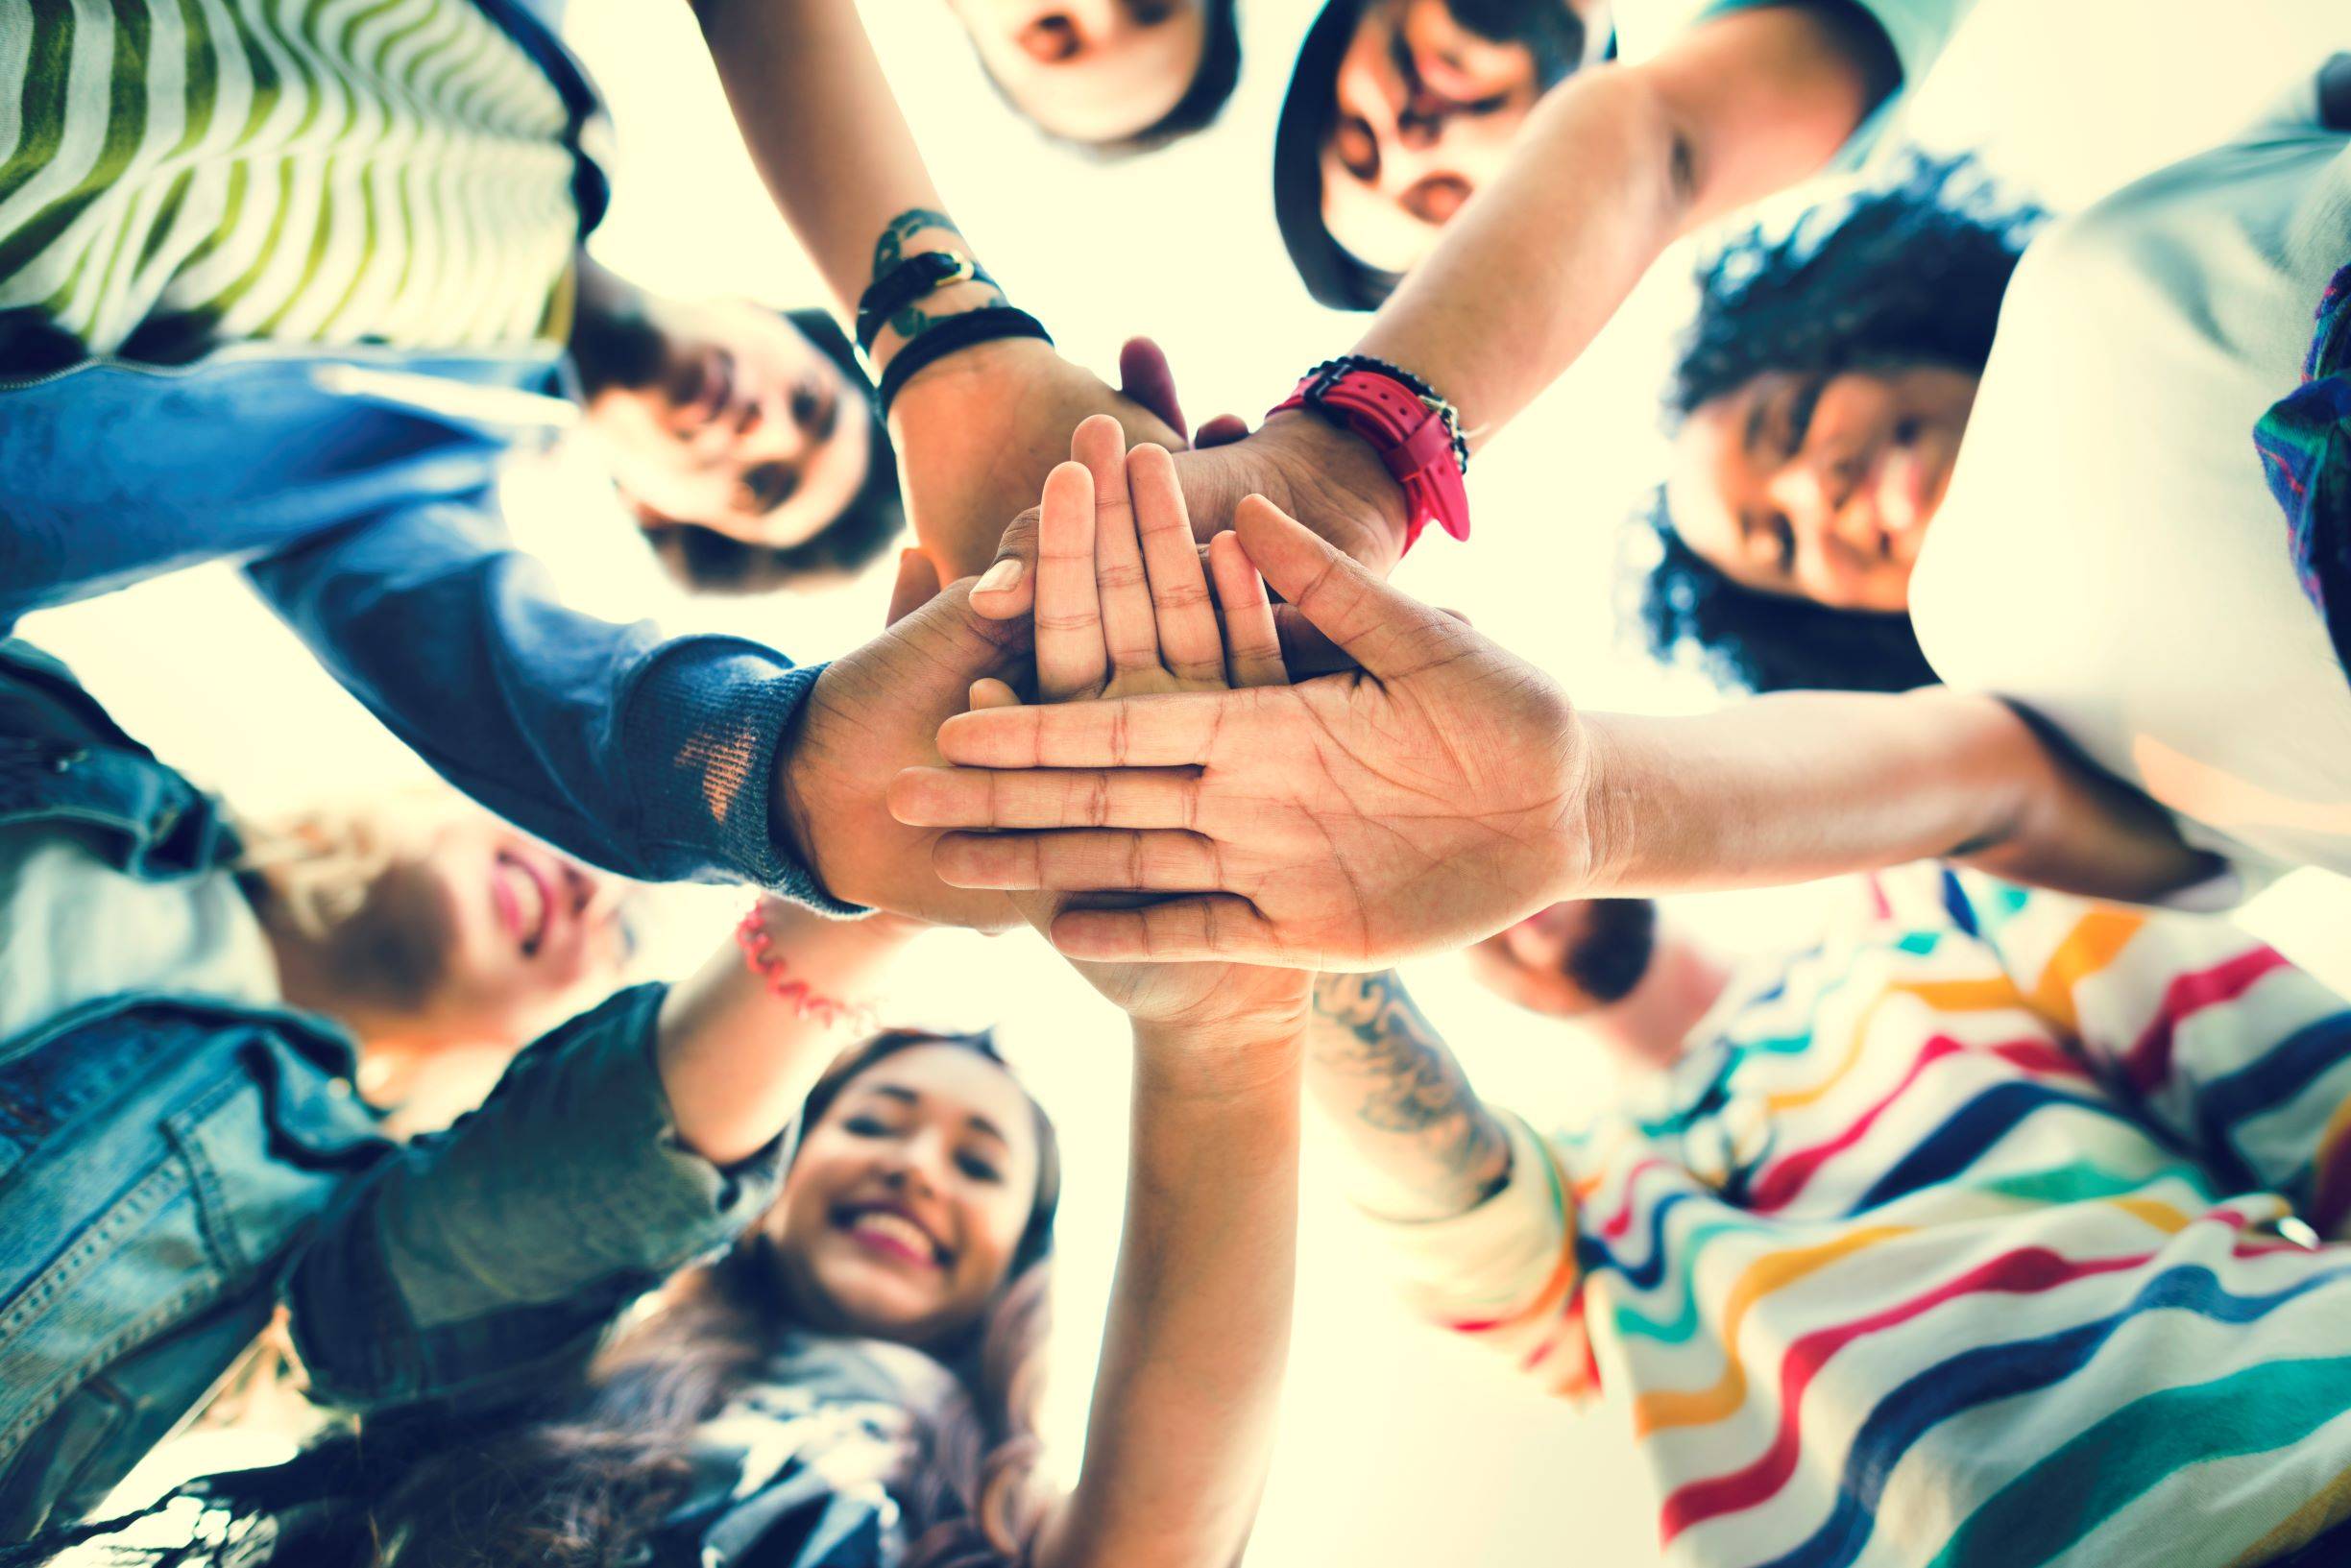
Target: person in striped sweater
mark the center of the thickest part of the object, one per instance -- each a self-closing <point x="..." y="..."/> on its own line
<point x="1995" y="1227"/>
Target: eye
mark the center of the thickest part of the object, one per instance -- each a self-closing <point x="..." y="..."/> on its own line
<point x="1800" y="413"/>
<point x="770" y="486"/>
<point x="1050" y="39"/>
<point x="1151" y="12"/>
<point x="979" y="1169"/>
<point x="1357" y="149"/>
<point x="1783" y="538"/>
<point x="865" y="1126"/>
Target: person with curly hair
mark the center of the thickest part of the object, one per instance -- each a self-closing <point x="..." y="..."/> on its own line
<point x="1924" y="448"/>
<point x="1823" y="386"/>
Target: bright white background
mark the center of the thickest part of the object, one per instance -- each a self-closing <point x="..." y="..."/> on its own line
<point x="1398" y="1448"/>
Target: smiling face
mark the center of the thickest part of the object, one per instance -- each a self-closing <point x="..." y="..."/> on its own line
<point x="722" y="415"/>
<point x="1089" y="70"/>
<point x="1821" y="485"/>
<point x="505" y="933"/>
<point x="907" y="1200"/>
<point x="1428" y="99"/>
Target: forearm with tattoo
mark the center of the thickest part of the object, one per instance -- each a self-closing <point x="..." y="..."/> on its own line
<point x="1425" y="1145"/>
<point x="897" y="243"/>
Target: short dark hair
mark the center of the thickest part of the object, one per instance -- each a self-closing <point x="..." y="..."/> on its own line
<point x="1211" y="89"/>
<point x="1335" y="275"/>
<point x="705" y="561"/>
<point x="1910" y="272"/>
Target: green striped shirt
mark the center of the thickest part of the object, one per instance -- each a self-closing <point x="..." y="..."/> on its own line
<point x="190" y="172"/>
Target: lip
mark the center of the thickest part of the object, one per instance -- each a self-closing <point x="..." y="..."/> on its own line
<point x="887" y="1246"/>
<point x="531" y="933"/>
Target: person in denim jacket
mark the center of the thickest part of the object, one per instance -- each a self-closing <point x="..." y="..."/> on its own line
<point x="178" y="1165"/>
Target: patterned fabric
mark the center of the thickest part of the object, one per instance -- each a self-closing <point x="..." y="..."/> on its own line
<point x="178" y="172"/>
<point x="1966" y="1238"/>
<point x="2305" y="446"/>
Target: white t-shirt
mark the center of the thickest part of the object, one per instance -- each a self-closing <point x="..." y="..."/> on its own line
<point x="1917" y="29"/>
<point x="73" y="929"/>
<point x="2108" y="554"/>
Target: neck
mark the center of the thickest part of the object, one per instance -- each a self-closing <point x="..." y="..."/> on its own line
<point x="308" y="979"/>
<point x="1650" y="1026"/>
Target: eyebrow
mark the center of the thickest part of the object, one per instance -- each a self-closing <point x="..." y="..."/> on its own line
<point x="1755" y="424"/>
<point x="907" y="1096"/>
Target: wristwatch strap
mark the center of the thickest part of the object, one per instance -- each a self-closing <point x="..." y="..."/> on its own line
<point x="1409" y="427"/>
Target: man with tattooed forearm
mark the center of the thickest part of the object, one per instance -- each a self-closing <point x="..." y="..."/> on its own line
<point x="1961" y="1232"/>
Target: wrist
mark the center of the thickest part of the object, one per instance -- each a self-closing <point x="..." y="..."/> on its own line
<point x="1222" y="1058"/>
<point x="791" y="827"/>
<point x="1338" y="457"/>
<point x="954" y="299"/>
<point x="943" y="389"/>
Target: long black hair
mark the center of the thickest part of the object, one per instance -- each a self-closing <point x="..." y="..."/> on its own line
<point x="1907" y="273"/>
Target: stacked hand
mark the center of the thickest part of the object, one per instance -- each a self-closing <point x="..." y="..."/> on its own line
<point x="1124" y="610"/>
<point x="1422" y="802"/>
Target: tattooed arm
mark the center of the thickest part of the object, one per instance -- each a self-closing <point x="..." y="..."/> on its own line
<point x="1421" y="1144"/>
<point x="977" y="430"/>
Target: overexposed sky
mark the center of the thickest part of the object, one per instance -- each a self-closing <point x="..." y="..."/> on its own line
<point x="1399" y="1449"/>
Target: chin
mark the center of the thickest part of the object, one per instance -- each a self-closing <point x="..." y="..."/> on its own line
<point x="878" y="1306"/>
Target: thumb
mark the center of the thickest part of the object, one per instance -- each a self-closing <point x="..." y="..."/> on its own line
<point x="917" y="585"/>
<point x="1007" y="589"/>
<point x="1389" y="633"/>
<point x="1220" y="431"/>
<point x="1145" y="376"/>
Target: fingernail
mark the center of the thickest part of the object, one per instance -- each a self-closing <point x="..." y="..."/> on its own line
<point x="1000" y="577"/>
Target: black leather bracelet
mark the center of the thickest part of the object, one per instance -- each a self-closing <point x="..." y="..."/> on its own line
<point x="950" y="334"/>
<point x="924" y="272"/>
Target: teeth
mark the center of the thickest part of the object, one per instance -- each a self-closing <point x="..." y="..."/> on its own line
<point x="881" y="1223"/>
<point x="530" y="904"/>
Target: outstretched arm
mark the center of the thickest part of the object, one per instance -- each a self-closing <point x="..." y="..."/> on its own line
<point x="1199" y="1326"/>
<point x="1614" y="166"/>
<point x="977" y="430"/>
<point x="466" y="1264"/>
<point x="1447" y="789"/>
<point x="1420" y="1145"/>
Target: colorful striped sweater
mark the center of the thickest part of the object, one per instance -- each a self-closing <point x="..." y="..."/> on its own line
<point x="1974" y="1235"/>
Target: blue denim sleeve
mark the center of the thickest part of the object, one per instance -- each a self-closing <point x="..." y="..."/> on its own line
<point x="654" y="759"/>
<point x="474" y="1261"/>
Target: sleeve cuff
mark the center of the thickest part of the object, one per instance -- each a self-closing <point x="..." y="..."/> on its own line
<point x="1498" y="1261"/>
<point x="700" y="730"/>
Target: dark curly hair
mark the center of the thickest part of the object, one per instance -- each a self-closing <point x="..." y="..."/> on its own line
<point x="1910" y="272"/>
<point x="1211" y="89"/>
<point x="705" y="561"/>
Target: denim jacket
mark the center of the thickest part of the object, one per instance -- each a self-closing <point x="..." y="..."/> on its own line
<point x="171" y="1171"/>
<point x="356" y="486"/>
